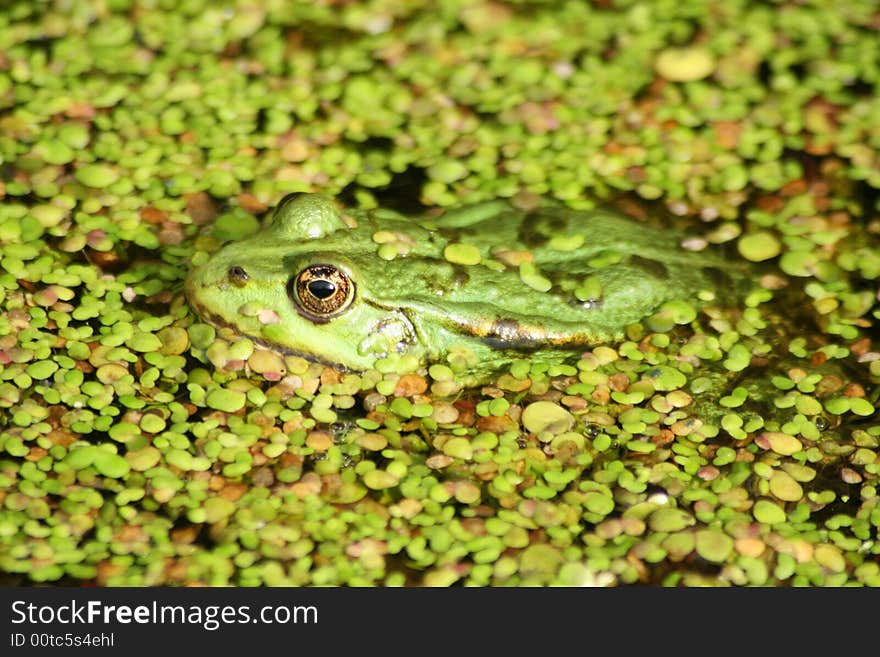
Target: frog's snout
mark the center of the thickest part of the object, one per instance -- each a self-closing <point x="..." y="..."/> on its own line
<point x="202" y="276"/>
<point x="200" y="279"/>
<point x="207" y="283"/>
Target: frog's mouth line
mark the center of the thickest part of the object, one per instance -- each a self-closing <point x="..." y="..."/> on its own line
<point x="219" y="322"/>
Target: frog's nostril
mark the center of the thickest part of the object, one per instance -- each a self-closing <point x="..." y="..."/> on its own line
<point x="238" y="275"/>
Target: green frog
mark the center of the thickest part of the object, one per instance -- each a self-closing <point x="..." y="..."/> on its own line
<point x="478" y="286"/>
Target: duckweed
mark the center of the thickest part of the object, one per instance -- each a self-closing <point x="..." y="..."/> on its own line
<point x="140" y="446"/>
<point x="684" y="64"/>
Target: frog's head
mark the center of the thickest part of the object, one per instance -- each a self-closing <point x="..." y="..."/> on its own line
<point x="295" y="285"/>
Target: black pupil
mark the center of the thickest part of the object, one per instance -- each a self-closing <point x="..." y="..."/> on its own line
<point x="321" y="289"/>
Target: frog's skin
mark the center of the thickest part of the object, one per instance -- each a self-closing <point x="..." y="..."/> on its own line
<point x="404" y="296"/>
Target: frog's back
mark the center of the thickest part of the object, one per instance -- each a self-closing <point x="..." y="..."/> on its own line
<point x="551" y="275"/>
<point x="552" y="233"/>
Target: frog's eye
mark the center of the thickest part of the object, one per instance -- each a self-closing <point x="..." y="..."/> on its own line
<point x="320" y="292"/>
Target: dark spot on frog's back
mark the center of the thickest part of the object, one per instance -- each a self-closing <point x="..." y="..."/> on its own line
<point x="653" y="268"/>
<point x="460" y="276"/>
<point x="718" y="277"/>
<point x="438" y="276"/>
<point x="538" y="227"/>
